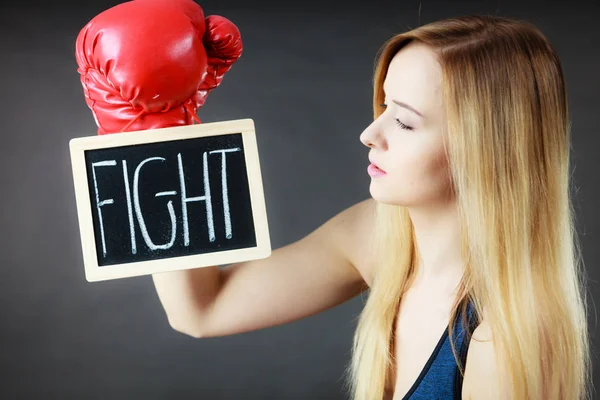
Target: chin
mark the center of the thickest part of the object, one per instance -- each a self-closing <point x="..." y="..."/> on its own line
<point x="385" y="197"/>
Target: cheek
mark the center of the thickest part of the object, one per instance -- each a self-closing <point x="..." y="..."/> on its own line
<point x="418" y="163"/>
<point x="417" y="173"/>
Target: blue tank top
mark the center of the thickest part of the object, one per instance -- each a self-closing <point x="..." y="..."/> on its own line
<point x="440" y="378"/>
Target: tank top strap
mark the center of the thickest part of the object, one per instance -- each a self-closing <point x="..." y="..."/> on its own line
<point x="463" y="346"/>
<point x="441" y="378"/>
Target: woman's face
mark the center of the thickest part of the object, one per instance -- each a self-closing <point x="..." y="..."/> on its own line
<point x="408" y="145"/>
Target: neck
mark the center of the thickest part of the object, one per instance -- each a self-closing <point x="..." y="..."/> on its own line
<point x="439" y="258"/>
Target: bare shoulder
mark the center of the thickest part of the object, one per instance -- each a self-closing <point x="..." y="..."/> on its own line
<point x="481" y="370"/>
<point x="353" y="232"/>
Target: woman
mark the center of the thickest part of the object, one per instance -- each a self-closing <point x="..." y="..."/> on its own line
<point x="468" y="242"/>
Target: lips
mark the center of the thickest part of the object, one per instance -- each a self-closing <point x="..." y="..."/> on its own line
<point x="375" y="164"/>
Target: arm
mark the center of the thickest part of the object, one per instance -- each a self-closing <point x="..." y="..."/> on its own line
<point x="325" y="268"/>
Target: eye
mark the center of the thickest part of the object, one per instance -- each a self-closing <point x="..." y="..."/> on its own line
<point x="402" y="126"/>
<point x="398" y="122"/>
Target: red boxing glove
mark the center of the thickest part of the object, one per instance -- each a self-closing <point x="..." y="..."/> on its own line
<point x="148" y="64"/>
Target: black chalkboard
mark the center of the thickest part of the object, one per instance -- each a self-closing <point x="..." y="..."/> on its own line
<point x="169" y="198"/>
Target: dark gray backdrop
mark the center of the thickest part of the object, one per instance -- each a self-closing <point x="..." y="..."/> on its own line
<point x="305" y="78"/>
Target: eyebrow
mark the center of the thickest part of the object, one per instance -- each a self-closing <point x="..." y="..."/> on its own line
<point x="401" y="104"/>
<point x="404" y="105"/>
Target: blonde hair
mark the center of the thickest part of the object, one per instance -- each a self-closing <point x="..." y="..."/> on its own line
<point x="508" y="152"/>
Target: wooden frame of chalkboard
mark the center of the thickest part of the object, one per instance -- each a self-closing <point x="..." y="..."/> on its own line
<point x="169" y="199"/>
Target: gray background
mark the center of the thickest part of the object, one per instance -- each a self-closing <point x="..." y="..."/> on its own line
<point x="305" y="79"/>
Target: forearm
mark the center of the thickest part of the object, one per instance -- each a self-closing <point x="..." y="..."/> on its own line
<point x="187" y="296"/>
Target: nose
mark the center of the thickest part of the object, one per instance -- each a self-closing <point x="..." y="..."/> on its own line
<point x="371" y="136"/>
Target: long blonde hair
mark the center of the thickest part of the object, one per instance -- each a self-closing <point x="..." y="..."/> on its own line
<point x="508" y="151"/>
